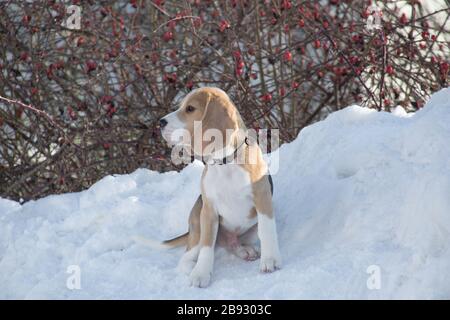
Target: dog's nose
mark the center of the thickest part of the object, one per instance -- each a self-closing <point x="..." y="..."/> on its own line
<point x="162" y="123"/>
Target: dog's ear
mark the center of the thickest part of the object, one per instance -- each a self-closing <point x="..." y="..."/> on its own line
<point x="219" y="122"/>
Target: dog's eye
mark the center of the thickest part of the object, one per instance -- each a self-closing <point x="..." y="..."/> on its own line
<point x="190" y="109"/>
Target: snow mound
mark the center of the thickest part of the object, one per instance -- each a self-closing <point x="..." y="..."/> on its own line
<point x="357" y="192"/>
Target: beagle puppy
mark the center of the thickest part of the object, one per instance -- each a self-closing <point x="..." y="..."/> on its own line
<point x="235" y="205"/>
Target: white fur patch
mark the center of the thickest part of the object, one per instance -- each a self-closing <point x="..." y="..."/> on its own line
<point x="270" y="252"/>
<point x="228" y="188"/>
<point x="188" y="260"/>
<point x="201" y="274"/>
<point x="174" y="124"/>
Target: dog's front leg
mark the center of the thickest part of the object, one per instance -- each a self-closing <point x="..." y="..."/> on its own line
<point x="209" y="223"/>
<point x="267" y="231"/>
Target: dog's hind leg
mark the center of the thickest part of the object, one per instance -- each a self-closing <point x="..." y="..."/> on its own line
<point x="250" y="237"/>
<point x="243" y="245"/>
<point x="189" y="258"/>
<point x="247" y="249"/>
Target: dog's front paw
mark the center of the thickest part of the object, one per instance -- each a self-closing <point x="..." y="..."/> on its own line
<point x="199" y="278"/>
<point x="270" y="264"/>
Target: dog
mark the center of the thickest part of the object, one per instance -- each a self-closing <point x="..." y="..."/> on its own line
<point x="234" y="208"/>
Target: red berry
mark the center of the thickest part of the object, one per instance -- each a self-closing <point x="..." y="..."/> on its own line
<point x="80" y="41"/>
<point x="266" y="97"/>
<point x="172" y="77"/>
<point x="26" y="19"/>
<point x="286" y="5"/>
<point x="317" y="44"/>
<point x="316" y="15"/>
<point x="24" y="56"/>
<point x="224" y="24"/>
<point x="389" y="70"/>
<point x="49" y="72"/>
<point x="111" y="110"/>
<point x="287" y="56"/>
<point x="403" y="19"/>
<point x="106" y="99"/>
<point x="365" y="14"/>
<point x="356" y="38"/>
<point x="237" y="54"/>
<point x="91" y="65"/>
<point x="295" y="85"/>
<point x="167" y="36"/>
<point x="353" y="60"/>
<point x="301" y="23"/>
<point x="420" y="103"/>
<point x="338" y="71"/>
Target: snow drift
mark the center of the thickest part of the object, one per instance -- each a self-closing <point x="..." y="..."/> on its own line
<point x="357" y="191"/>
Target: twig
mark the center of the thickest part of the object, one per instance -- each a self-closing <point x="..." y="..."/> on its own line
<point x="41" y="113"/>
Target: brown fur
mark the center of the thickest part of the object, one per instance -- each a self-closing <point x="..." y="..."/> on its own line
<point x="257" y="170"/>
<point x="216" y="110"/>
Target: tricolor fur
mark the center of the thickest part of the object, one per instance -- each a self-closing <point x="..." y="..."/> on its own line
<point x="235" y="205"/>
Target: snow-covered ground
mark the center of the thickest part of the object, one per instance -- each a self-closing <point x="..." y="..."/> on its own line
<point x="361" y="190"/>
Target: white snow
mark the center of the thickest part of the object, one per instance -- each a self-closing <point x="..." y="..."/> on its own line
<point x="360" y="190"/>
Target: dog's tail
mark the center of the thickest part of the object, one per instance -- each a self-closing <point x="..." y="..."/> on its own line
<point x="168" y="244"/>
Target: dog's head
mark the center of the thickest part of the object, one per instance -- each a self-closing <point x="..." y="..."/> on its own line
<point x="206" y="117"/>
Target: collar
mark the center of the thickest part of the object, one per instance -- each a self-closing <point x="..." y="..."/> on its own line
<point x="226" y="159"/>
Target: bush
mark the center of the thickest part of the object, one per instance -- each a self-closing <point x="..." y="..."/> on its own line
<point x="82" y="104"/>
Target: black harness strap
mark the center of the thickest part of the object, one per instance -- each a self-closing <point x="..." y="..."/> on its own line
<point x="271" y="183"/>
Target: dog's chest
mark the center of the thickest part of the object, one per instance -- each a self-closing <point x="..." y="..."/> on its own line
<point x="229" y="189"/>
